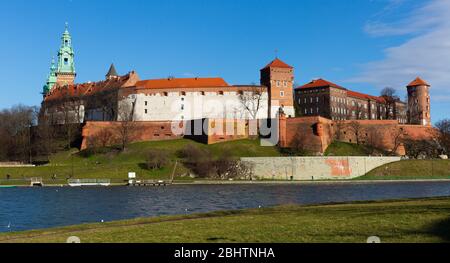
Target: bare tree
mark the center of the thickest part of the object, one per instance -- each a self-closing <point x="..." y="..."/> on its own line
<point x="397" y="137"/>
<point x="16" y="131"/>
<point x="444" y="135"/>
<point x="421" y="148"/>
<point x="359" y="111"/>
<point x="389" y="92"/>
<point x="101" y="139"/>
<point x="251" y="100"/>
<point x="357" y="129"/>
<point x="339" y="128"/>
<point x="390" y="98"/>
<point x="127" y="125"/>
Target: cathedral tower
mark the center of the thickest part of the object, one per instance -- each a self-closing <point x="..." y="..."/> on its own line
<point x="51" y="79"/>
<point x="278" y="77"/>
<point x="66" y="65"/>
<point x="419" y="102"/>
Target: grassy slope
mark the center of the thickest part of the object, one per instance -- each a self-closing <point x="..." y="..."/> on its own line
<point x="116" y="165"/>
<point x="411" y="169"/>
<point x="347" y="149"/>
<point x="395" y="221"/>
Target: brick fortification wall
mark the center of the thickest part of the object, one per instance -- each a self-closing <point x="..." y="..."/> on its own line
<point x="97" y="134"/>
<point x="311" y="133"/>
<point x="316" y="133"/>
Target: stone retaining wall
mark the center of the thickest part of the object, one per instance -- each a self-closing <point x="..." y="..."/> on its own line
<point x="315" y="168"/>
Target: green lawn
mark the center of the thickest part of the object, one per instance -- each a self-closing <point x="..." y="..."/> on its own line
<point x="348" y="149"/>
<point x="411" y="169"/>
<point x="115" y="165"/>
<point x="426" y="220"/>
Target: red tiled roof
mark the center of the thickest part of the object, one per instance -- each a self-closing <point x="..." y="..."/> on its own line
<point x="418" y="82"/>
<point x="364" y="96"/>
<point x="319" y="83"/>
<point x="89" y="88"/>
<point x="181" y="83"/>
<point x="277" y="63"/>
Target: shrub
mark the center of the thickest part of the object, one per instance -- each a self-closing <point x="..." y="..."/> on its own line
<point x="201" y="163"/>
<point x="156" y="159"/>
<point x="198" y="160"/>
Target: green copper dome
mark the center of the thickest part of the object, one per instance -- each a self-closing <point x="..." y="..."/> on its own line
<point x="51" y="78"/>
<point x="66" y="55"/>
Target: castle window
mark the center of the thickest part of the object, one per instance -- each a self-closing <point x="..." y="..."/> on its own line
<point x="183" y="93"/>
<point x="66" y="61"/>
<point x="182" y="107"/>
<point x="220" y="92"/>
<point x="165" y="94"/>
<point x="202" y="93"/>
<point x="146" y="103"/>
<point x="278" y="83"/>
<point x="282" y="93"/>
<point x="146" y="111"/>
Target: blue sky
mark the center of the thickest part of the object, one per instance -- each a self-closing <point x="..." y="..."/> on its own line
<point x="363" y="45"/>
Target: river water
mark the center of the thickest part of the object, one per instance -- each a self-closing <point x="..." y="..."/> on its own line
<point x="36" y="208"/>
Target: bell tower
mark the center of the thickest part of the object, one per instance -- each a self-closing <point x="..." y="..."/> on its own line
<point x="66" y="65"/>
<point x="51" y="79"/>
<point x="419" y="102"/>
<point x="278" y="77"/>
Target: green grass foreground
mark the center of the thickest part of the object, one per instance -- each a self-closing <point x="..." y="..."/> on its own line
<point x="419" y="220"/>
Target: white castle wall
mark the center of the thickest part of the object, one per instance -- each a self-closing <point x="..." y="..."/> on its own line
<point x="192" y="105"/>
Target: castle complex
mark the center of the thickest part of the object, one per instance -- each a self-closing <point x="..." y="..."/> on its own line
<point x="129" y="98"/>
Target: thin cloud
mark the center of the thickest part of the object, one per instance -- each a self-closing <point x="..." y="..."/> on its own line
<point x="426" y="53"/>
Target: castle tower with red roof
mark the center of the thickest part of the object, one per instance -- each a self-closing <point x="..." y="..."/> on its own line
<point x="419" y="102"/>
<point x="278" y="77"/>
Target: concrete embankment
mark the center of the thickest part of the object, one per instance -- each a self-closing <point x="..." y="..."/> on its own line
<point x="314" y="168"/>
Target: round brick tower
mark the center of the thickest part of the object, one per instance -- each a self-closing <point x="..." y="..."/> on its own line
<point x="419" y="102"/>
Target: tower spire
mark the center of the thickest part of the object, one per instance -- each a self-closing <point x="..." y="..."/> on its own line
<point x="51" y="78"/>
<point x="112" y="72"/>
<point x="66" y="59"/>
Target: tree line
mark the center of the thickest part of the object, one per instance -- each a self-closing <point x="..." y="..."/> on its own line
<point x="27" y="137"/>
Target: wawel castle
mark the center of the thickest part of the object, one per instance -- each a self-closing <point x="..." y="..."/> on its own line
<point x="128" y="97"/>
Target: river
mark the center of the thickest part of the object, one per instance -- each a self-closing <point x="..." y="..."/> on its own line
<point x="36" y="208"/>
